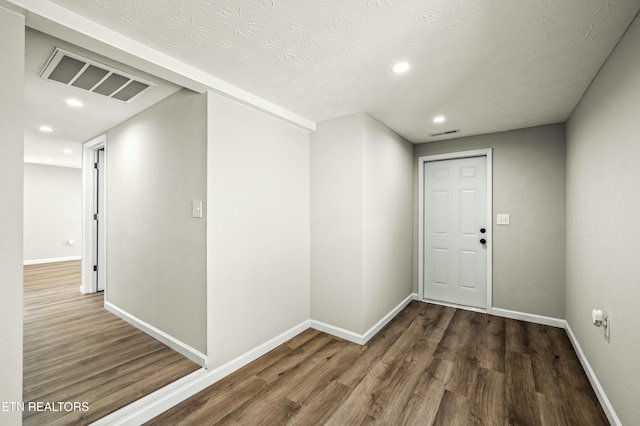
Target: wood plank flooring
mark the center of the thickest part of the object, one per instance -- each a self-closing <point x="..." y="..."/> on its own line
<point x="77" y="351"/>
<point x="432" y="365"/>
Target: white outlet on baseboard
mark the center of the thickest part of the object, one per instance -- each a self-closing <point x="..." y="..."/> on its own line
<point x="502" y="219"/>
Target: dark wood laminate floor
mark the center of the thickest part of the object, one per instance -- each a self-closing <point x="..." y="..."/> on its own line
<point x="77" y="351"/>
<point x="432" y="365"/>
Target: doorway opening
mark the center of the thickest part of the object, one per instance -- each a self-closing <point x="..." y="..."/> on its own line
<point x="94" y="217"/>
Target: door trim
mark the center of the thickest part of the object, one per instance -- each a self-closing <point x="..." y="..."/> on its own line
<point x="488" y="153"/>
<point x="88" y="283"/>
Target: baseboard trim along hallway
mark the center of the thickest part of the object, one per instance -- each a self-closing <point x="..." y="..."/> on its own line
<point x="158" y="402"/>
<point x="586" y="366"/>
<point x="523" y="316"/>
<point x="51" y="260"/>
<point x="361" y="339"/>
<point x="175" y="344"/>
<point x="152" y="405"/>
<point x="593" y="379"/>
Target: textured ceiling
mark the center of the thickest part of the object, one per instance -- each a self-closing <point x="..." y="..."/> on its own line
<point x="487" y="65"/>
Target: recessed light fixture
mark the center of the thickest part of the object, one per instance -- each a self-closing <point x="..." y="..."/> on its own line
<point x="438" y="119"/>
<point x="67" y="151"/>
<point x="74" y="103"/>
<point x="400" y="67"/>
<point x="45" y="129"/>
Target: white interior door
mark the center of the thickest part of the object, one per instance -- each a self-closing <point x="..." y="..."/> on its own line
<point x="455" y="231"/>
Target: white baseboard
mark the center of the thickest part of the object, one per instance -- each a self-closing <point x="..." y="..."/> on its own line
<point x="148" y="407"/>
<point x="255" y="353"/>
<point x="175" y="344"/>
<point x="386" y="319"/>
<point x="593" y="379"/>
<point x="337" y="331"/>
<point x="362" y="339"/>
<point x="523" y="316"/>
<point x="453" y="305"/>
<point x="506" y="313"/>
<point x="50" y="260"/>
<point x="160" y="401"/>
<point x="591" y="375"/>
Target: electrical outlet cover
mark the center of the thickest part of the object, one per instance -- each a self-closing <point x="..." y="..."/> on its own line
<point x="502" y="219"/>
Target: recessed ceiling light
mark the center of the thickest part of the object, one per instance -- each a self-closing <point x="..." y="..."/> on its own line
<point x="45" y="129"/>
<point x="438" y="119"/>
<point x="67" y="151"/>
<point x="74" y="103"/>
<point x="400" y="67"/>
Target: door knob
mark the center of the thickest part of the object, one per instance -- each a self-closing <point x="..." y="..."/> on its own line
<point x="482" y="230"/>
<point x="483" y="241"/>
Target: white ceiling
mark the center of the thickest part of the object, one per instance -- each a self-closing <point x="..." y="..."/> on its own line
<point x="487" y="65"/>
<point x="45" y="105"/>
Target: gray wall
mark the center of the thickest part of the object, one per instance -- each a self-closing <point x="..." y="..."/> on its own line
<point x="528" y="184"/>
<point x="387" y="212"/>
<point x="258" y="228"/>
<point x="11" y="188"/>
<point x="52" y="212"/>
<point x="361" y="210"/>
<point x="156" y="252"/>
<point x="336" y="222"/>
<point x="603" y="208"/>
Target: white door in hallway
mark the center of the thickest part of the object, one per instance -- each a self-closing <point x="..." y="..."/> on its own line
<point x="455" y="231"/>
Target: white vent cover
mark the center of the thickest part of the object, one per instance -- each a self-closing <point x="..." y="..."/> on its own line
<point x="448" y="132"/>
<point x="76" y="71"/>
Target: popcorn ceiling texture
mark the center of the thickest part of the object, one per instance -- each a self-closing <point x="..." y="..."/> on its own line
<point x="487" y="65"/>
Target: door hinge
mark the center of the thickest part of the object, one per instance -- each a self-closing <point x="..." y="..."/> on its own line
<point x="95" y="165"/>
<point x="95" y="216"/>
<point x="95" y="268"/>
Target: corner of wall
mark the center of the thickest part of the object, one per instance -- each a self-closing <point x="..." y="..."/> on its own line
<point x="361" y="209"/>
<point x="12" y="30"/>
<point x="258" y="228"/>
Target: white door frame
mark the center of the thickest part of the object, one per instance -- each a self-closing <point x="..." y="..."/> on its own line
<point x="487" y="152"/>
<point x="89" y="284"/>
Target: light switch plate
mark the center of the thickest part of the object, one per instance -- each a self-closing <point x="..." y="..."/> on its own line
<point x="502" y="219"/>
<point x="196" y="209"/>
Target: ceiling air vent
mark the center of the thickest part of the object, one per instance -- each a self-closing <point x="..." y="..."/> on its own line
<point x="73" y="70"/>
<point x="448" y="132"/>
